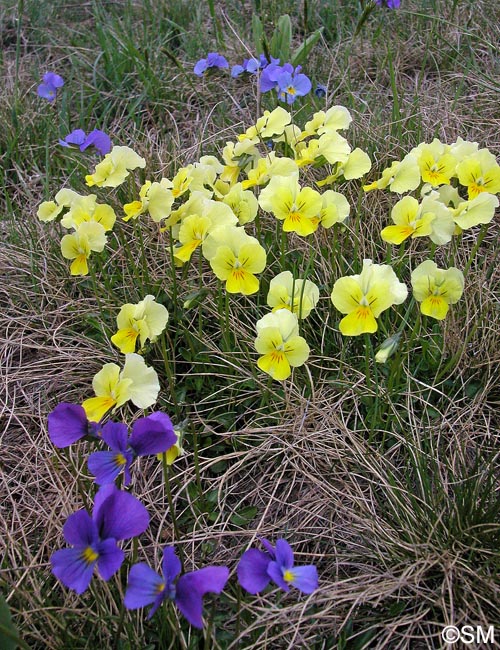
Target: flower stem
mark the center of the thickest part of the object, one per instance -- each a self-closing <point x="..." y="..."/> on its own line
<point x="166" y="480"/>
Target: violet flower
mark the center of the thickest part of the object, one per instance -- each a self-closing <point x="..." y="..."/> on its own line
<point x="249" y="65"/>
<point x="213" y="60"/>
<point x="257" y="568"/>
<point x="390" y="4"/>
<point x="48" y="89"/>
<point x="146" y="587"/>
<point x="68" y="423"/>
<point x="153" y="434"/>
<point x="270" y="74"/>
<point x="116" y="516"/>
<point x="96" y="138"/>
<point x="292" y="85"/>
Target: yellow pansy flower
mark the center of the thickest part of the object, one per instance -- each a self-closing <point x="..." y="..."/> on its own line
<point x="280" y="345"/>
<point x="479" y="173"/>
<point x="89" y="236"/>
<point x="155" y="198"/>
<point x="243" y="203"/>
<point x="437" y="165"/>
<point x="113" y="387"/>
<point x="272" y="123"/>
<point x="480" y="209"/>
<point x="363" y="297"/>
<point x="402" y="176"/>
<point x="115" y="167"/>
<point x="298" y="296"/>
<point x="268" y="167"/>
<point x="236" y="260"/>
<point x="436" y="288"/>
<point x="297" y="207"/>
<point x="145" y="320"/>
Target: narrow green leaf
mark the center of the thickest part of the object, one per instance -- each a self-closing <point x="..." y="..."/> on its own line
<point x="9" y="637"/>
<point x="302" y="52"/>
<point x="257" y="33"/>
<point x="282" y="39"/>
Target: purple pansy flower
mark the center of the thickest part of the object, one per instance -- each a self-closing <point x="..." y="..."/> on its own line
<point x="96" y="138"/>
<point x="213" y="60"/>
<point x="48" y="89"/>
<point x="249" y="65"/>
<point x="264" y="61"/>
<point x="68" y="423"/>
<point x="257" y="568"/>
<point x="390" y="4"/>
<point x="269" y="77"/>
<point x="292" y="85"/>
<point x="116" y="515"/>
<point x="153" y="434"/>
<point x="320" y="91"/>
<point x="146" y="587"/>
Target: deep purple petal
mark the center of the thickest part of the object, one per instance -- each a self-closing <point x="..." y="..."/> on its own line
<point x="171" y="565"/>
<point x="152" y="435"/>
<point x="191" y="587"/>
<point x="305" y="578"/>
<point x="115" y="435"/>
<point x="75" y="137"/>
<point x="252" y="570"/>
<point x="275" y="572"/>
<point x="268" y="546"/>
<point x="106" y="466"/>
<point x="67" y="423"/>
<point x="47" y="92"/>
<point x="110" y="558"/>
<point x="119" y="514"/>
<point x="80" y="530"/>
<point x="143" y="586"/>
<point x="100" y="140"/>
<point x="284" y="554"/>
<point x="200" y="67"/>
<point x="72" y="569"/>
<point x="53" y="79"/>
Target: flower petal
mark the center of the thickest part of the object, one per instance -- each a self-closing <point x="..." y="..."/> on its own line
<point x="119" y="514"/>
<point x="153" y="434"/>
<point x="67" y="423"/>
<point x="80" y="530"/>
<point x="143" y="588"/>
<point x="72" y="569"/>
<point x="191" y="588"/>
<point x="252" y="570"/>
<point x="171" y="565"/>
<point x="110" y="558"/>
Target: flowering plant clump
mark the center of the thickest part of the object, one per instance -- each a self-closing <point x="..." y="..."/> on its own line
<point x="146" y="587"/>
<point x="116" y="516"/>
<point x="267" y="231"/>
<point x="257" y="568"/>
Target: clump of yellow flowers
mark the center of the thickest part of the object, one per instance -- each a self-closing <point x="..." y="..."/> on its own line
<point x="217" y="211"/>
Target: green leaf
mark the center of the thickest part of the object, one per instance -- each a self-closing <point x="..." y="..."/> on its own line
<point x="282" y="39"/>
<point x="302" y="52"/>
<point x="243" y="516"/>
<point x="9" y="637"/>
<point x="258" y="33"/>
